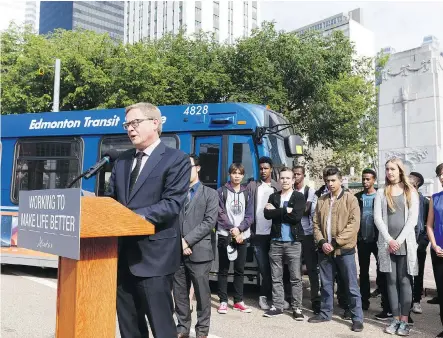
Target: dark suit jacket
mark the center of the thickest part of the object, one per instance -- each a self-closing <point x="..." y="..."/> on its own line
<point x="197" y="222"/>
<point x="158" y="195"/>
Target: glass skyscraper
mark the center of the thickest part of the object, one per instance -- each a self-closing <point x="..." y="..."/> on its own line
<point x="99" y="16"/>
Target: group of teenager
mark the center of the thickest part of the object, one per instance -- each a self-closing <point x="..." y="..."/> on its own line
<point x="289" y="224"/>
<point x="285" y="222"/>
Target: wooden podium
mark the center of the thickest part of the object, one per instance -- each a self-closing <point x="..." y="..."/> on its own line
<point x="87" y="288"/>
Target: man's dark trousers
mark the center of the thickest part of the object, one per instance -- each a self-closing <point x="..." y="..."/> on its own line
<point x="365" y="250"/>
<point x="198" y="274"/>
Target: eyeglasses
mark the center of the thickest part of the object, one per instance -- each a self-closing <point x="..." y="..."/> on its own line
<point x="135" y="123"/>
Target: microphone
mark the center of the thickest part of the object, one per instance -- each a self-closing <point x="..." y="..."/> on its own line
<point x="109" y="157"/>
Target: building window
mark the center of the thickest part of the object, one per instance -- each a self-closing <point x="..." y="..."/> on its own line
<point x="198" y="16"/>
<point x="230" y="22"/>
<point x="46" y="164"/>
<point x="216" y="19"/>
<point x="180" y="15"/>
<point x="245" y="18"/>
<point x="165" y="17"/>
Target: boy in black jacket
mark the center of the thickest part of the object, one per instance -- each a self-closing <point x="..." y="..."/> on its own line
<point x="286" y="209"/>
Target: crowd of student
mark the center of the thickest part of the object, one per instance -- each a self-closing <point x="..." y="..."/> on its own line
<point x="289" y="224"/>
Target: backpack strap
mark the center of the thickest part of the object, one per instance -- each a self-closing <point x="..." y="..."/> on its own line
<point x="224" y="195"/>
<point x="306" y="192"/>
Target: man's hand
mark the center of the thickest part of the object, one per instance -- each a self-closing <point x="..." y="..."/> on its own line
<point x="269" y="206"/>
<point x="393" y="246"/>
<point x="327" y="248"/>
<point x="235" y="231"/>
<point x="186" y="249"/>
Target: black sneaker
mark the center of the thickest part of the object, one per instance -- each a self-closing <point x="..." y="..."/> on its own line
<point x="317" y="319"/>
<point x="298" y="315"/>
<point x="383" y="315"/>
<point x="433" y="301"/>
<point x="357" y="326"/>
<point x="273" y="312"/>
<point x="440" y="335"/>
<point x="347" y="315"/>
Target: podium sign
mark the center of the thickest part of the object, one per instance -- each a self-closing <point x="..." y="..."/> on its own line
<point x="49" y="221"/>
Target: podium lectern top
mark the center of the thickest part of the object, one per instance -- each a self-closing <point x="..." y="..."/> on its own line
<point x="105" y="217"/>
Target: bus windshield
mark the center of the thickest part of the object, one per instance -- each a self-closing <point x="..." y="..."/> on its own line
<point x="275" y="142"/>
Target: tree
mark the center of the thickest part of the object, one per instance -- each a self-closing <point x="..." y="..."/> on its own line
<point x="317" y="82"/>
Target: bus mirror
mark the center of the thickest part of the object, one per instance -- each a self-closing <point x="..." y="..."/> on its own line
<point x="293" y="146"/>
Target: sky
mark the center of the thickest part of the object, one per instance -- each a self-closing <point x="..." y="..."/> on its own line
<point x="399" y="24"/>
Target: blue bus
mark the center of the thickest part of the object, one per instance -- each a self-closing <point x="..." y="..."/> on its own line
<point x="49" y="150"/>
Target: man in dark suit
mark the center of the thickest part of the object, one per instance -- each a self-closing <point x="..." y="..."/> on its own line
<point x="152" y="180"/>
<point x="197" y="221"/>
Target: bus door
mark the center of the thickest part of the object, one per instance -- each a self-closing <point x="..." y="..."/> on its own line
<point x="209" y="151"/>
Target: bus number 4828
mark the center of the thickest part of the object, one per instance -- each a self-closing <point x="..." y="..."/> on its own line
<point x="196" y="110"/>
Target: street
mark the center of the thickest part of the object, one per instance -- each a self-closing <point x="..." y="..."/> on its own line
<point x="28" y="298"/>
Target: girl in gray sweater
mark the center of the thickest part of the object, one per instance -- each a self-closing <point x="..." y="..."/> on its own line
<point x="395" y="215"/>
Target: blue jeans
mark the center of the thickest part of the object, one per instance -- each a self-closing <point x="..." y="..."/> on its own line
<point x="348" y="271"/>
<point x="261" y="252"/>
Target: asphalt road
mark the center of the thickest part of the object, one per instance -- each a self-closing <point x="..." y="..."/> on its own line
<point x="28" y="298"/>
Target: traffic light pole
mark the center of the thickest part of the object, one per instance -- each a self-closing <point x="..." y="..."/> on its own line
<point x="56" y="99"/>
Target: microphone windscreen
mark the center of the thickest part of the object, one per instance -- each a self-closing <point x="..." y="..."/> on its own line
<point x="112" y="154"/>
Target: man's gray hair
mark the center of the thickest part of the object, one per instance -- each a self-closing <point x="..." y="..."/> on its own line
<point x="149" y="110"/>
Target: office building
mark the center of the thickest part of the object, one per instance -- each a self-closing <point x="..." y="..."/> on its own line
<point x="98" y="16"/>
<point x="351" y="24"/>
<point x="20" y="12"/>
<point x="228" y="20"/>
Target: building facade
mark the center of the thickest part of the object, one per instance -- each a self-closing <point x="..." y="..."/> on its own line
<point x="98" y="16"/>
<point x="20" y="12"/>
<point x="411" y="111"/>
<point x="228" y="20"/>
<point x="351" y="24"/>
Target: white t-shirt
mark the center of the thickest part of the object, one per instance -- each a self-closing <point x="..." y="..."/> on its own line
<point x="306" y="221"/>
<point x="262" y="225"/>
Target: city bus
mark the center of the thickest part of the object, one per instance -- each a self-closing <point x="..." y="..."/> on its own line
<point x="49" y="150"/>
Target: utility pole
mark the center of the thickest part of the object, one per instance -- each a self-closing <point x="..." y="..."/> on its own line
<point x="56" y="99"/>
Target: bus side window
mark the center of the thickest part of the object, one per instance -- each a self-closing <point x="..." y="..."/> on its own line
<point x="46" y="164"/>
<point x="121" y="143"/>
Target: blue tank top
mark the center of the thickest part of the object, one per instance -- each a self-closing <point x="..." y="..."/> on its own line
<point x="438" y="218"/>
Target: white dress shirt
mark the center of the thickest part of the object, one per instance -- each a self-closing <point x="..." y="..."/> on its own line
<point x="148" y="151"/>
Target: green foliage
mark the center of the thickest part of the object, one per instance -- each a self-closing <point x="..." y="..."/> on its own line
<point x="315" y="81"/>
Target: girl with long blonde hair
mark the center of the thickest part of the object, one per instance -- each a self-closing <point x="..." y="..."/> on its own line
<point x="396" y="209"/>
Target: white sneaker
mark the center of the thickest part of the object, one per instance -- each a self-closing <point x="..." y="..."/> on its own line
<point x="416" y="308"/>
<point x="263" y="303"/>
